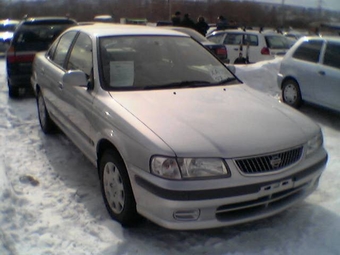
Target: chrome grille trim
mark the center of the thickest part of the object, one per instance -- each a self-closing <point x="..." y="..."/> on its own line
<point x="269" y="163"/>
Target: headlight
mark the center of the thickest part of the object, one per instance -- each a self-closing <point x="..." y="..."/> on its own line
<point x="165" y="167"/>
<point x="314" y="143"/>
<point x="187" y="168"/>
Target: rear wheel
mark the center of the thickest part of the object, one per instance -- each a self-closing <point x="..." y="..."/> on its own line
<point x="46" y="123"/>
<point x="116" y="189"/>
<point x="291" y="93"/>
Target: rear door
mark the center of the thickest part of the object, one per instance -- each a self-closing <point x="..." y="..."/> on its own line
<point x="52" y="74"/>
<point x="328" y="90"/>
<point x="305" y="66"/>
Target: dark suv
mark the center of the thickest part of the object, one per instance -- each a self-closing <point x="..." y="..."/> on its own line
<point x="32" y="35"/>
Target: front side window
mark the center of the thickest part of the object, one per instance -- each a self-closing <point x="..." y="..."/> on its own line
<point x="309" y="51"/>
<point x="63" y="47"/>
<point x="81" y="55"/>
<point x="332" y="55"/>
<point x="155" y="62"/>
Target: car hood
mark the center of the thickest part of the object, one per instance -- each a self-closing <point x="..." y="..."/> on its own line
<point x="230" y="121"/>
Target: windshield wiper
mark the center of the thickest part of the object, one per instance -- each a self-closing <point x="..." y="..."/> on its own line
<point x="182" y="84"/>
<point x="225" y="81"/>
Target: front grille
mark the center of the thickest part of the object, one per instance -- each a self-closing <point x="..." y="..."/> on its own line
<point x="264" y="205"/>
<point x="269" y="163"/>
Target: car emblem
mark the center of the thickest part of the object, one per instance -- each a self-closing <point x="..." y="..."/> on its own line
<point x="275" y="161"/>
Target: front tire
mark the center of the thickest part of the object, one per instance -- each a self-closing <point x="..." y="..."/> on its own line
<point x="116" y="189"/>
<point x="291" y="93"/>
<point x="46" y="123"/>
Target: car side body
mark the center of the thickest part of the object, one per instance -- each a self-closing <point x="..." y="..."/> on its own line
<point x="255" y="46"/>
<point x="310" y="72"/>
<point x="200" y="151"/>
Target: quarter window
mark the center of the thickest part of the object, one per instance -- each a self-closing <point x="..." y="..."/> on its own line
<point x="309" y="51"/>
<point x="332" y="55"/>
<point x="63" y="47"/>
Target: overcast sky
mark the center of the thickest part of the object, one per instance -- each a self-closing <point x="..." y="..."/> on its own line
<point x="325" y="4"/>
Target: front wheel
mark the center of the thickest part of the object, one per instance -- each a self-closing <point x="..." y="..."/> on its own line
<point x="291" y="93"/>
<point x="116" y="189"/>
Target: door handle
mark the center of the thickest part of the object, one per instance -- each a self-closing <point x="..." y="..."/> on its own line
<point x="322" y="73"/>
<point x="60" y="85"/>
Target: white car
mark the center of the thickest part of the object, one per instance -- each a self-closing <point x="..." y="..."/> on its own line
<point x="252" y="44"/>
<point x="175" y="136"/>
<point x="310" y="72"/>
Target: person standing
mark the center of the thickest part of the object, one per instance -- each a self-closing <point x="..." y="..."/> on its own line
<point x="188" y="22"/>
<point x="176" y="19"/>
<point x="222" y="23"/>
<point x="202" y="26"/>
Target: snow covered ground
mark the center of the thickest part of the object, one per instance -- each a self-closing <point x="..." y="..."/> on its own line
<point x="50" y="201"/>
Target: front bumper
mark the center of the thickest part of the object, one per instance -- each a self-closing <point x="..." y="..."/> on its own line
<point x="198" y="205"/>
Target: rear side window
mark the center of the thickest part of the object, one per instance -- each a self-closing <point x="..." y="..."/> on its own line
<point x="216" y="38"/>
<point x="309" y="51"/>
<point x="233" y="39"/>
<point x="252" y="40"/>
<point x="332" y="55"/>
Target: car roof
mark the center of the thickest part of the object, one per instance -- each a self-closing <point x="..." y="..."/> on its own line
<point x="106" y="29"/>
<point x="323" y="38"/>
<point x="189" y="31"/>
<point x="47" y="19"/>
<point x="241" y="31"/>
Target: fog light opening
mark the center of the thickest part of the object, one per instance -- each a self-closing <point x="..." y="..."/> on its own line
<point x="187" y="215"/>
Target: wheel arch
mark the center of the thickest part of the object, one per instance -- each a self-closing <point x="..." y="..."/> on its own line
<point x="104" y="145"/>
<point x="287" y="78"/>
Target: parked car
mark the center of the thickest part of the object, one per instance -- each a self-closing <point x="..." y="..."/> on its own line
<point x="32" y="35"/>
<point x="175" y="136"/>
<point x="218" y="49"/>
<point x="7" y="28"/>
<point x="310" y="72"/>
<point x="262" y="46"/>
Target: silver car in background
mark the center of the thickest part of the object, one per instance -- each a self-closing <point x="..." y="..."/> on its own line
<point x="310" y="72"/>
<point x="175" y="136"/>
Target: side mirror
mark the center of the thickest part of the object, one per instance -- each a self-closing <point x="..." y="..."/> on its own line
<point x="75" y="78"/>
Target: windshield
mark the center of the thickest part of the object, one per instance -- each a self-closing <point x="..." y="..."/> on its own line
<point x="158" y="62"/>
<point x="277" y="42"/>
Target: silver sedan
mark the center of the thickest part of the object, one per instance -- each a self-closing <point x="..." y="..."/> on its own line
<point x="175" y="136"/>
